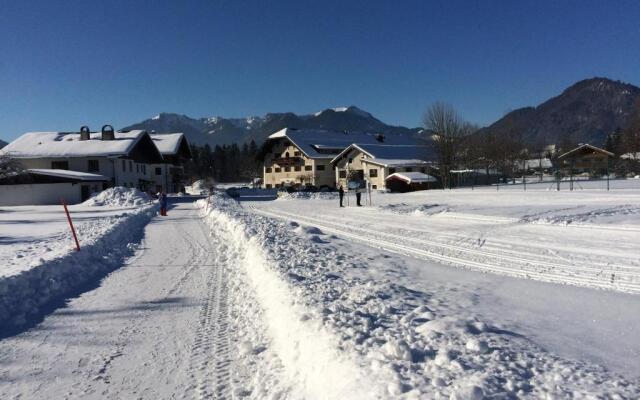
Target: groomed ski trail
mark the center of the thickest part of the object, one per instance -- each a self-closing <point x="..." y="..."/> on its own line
<point x="522" y="264"/>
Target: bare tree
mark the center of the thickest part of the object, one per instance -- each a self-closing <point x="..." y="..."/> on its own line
<point x="448" y="130"/>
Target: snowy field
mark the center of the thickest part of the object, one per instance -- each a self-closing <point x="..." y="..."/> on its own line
<point x="463" y="294"/>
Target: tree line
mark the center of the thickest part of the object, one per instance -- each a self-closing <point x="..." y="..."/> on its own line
<point x="226" y="163"/>
<point x="460" y="144"/>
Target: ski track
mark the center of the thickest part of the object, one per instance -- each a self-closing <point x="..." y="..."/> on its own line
<point x="625" y="278"/>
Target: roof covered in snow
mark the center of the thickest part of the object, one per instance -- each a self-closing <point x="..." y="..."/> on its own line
<point x="317" y="143"/>
<point x="168" y="143"/>
<point x="412" y="177"/>
<point x="67" y="144"/>
<point x="72" y="175"/>
<point x="388" y="154"/>
<point x="586" y="147"/>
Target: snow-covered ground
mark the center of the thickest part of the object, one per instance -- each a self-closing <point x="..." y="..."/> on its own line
<point x="297" y="298"/>
<point x="39" y="261"/>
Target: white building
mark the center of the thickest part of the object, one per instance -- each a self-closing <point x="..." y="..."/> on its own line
<point x="375" y="162"/>
<point x="168" y="176"/>
<point x="123" y="157"/>
<point x="49" y="186"/>
<point x="303" y="157"/>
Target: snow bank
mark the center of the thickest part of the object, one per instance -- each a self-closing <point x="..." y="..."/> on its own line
<point x="197" y="187"/>
<point x="329" y="312"/>
<point x="26" y="295"/>
<point x="119" y="197"/>
<point x="307" y="195"/>
<point x="309" y="352"/>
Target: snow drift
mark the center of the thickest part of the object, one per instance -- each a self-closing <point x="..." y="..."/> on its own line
<point x="119" y="197"/>
<point x="25" y="296"/>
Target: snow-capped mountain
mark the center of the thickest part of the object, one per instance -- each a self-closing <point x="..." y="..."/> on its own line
<point x="221" y="130"/>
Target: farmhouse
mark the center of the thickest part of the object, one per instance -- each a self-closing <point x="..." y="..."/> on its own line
<point x="586" y="159"/>
<point x="123" y="157"/>
<point x="375" y="162"/>
<point x="168" y="176"/>
<point x="303" y="157"/>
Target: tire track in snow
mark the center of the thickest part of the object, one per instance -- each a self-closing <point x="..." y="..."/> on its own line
<point x="100" y="371"/>
<point x="520" y="267"/>
<point x="210" y="355"/>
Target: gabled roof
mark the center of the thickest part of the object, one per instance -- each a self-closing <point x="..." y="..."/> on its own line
<point x="411" y="177"/>
<point x="587" y="146"/>
<point x="388" y="154"/>
<point x="318" y="143"/>
<point x="167" y="143"/>
<point x="66" y="144"/>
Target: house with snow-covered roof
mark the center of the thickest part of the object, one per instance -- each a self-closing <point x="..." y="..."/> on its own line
<point x="374" y="162"/>
<point x="123" y="157"/>
<point x="302" y="157"/>
<point x="168" y="176"/>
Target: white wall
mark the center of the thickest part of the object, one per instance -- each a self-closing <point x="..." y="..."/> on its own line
<point x="39" y="194"/>
<point x="111" y="168"/>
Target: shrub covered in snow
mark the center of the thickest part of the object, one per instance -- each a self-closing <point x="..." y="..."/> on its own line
<point x="119" y="197"/>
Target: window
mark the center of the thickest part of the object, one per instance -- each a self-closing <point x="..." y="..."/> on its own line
<point x="278" y="170"/>
<point x="423" y="170"/>
<point x="124" y="166"/>
<point x="297" y="168"/>
<point x="287" y="169"/>
<point x="158" y="171"/>
<point x="342" y="173"/>
<point x="93" y="165"/>
<point x="137" y="168"/>
<point x="373" y="172"/>
<point x="408" y="169"/>
<point x="268" y="186"/>
<point x="130" y="166"/>
<point x="319" y="167"/>
<point x="392" y="171"/>
<point x="268" y="170"/>
<point x="286" y="155"/>
<point x="144" y="169"/>
<point x="296" y="154"/>
<point x="374" y="186"/>
<point x="308" y="167"/>
<point x="59" y="164"/>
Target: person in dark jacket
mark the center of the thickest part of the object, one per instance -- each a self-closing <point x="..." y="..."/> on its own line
<point x="341" y="193"/>
<point x="163" y="204"/>
<point x="358" y="197"/>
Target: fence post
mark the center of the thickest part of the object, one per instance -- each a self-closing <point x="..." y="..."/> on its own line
<point x="73" y="230"/>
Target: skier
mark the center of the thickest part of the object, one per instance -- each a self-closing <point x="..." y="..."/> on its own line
<point x="163" y="204"/>
<point x="341" y="193"/>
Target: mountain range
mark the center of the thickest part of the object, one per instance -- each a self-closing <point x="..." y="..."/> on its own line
<point x="585" y="112"/>
<point x="219" y="130"/>
<point x="2" y="144"/>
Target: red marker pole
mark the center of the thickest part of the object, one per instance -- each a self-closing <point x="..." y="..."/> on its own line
<point x="73" y="230"/>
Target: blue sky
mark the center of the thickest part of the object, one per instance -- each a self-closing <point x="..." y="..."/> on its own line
<point x="64" y="64"/>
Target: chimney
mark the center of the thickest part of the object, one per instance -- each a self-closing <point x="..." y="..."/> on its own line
<point x="85" y="134"/>
<point x="108" y="133"/>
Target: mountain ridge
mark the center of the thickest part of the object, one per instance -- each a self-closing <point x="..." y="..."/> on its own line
<point x="220" y="130"/>
<point x="585" y="112"/>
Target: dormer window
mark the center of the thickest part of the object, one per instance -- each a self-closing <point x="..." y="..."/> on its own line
<point x="286" y="155"/>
